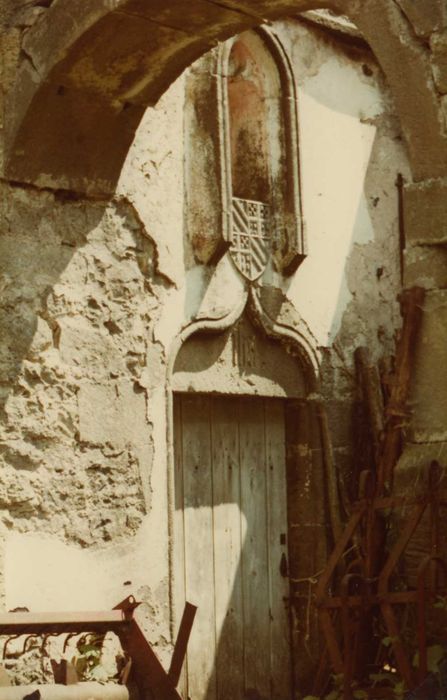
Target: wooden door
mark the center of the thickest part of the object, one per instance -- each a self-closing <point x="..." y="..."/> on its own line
<point x="231" y="503"/>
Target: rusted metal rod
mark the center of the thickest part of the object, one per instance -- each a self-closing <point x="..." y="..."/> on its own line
<point x="181" y="644"/>
<point x="370" y="382"/>
<point x="44" y="623"/>
<point x="412" y="302"/>
<point x="330" y="474"/>
<point x="80" y="691"/>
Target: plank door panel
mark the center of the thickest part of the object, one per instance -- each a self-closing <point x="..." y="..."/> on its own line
<point x="179" y="540"/>
<point x="199" y="547"/>
<point x="231" y="491"/>
<point x="278" y="583"/>
<point x="254" y="559"/>
<point x="228" y="534"/>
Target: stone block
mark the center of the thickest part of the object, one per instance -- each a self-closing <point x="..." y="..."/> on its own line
<point x="425" y="266"/>
<point x="83" y="345"/>
<point x="307" y="549"/>
<point x="410" y="475"/>
<point x="112" y="413"/>
<point x="444" y="111"/>
<point x="410" y="481"/>
<point x="438" y="45"/>
<point x="428" y="398"/>
<point x="425" y="212"/>
<point x="202" y="18"/>
<point x="426" y="17"/>
<point x="340" y="418"/>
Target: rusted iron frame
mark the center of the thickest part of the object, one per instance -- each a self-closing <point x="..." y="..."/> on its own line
<point x="64" y="672"/>
<point x="146" y="667"/>
<point x="387" y="502"/>
<point x="350" y="630"/>
<point x="324" y="615"/>
<point x="321" y="677"/>
<point x="369" y="381"/>
<point x="439" y="562"/>
<point x="332" y="490"/>
<point x="435" y="478"/>
<point x="147" y="670"/>
<point x="359" y="510"/>
<point x="338" y="552"/>
<point x="431" y="499"/>
<point x="402" y="661"/>
<point x="371" y="599"/>
<point x="8" y="641"/>
<point x="27" y="640"/>
<point x="179" y="653"/>
<point x="67" y="639"/>
<point x="58" y="623"/>
<point x="365" y="575"/>
<point x="373" y="530"/>
<point x="411" y="302"/>
<point x="384" y="598"/>
<point x="45" y="638"/>
<point x="333" y="647"/>
<point x="373" y="489"/>
<point x="400" y="182"/>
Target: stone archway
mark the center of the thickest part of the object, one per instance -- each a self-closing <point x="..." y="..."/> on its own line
<point x="91" y="68"/>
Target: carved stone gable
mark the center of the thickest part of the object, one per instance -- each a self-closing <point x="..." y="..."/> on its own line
<point x="241" y="360"/>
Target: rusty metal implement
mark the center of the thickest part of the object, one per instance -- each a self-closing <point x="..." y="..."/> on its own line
<point x="80" y="691"/>
<point x="144" y="670"/>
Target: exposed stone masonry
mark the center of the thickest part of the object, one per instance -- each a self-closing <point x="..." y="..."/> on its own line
<point x="72" y="356"/>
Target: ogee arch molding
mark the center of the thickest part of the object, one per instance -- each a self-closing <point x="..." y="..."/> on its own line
<point x="91" y="67"/>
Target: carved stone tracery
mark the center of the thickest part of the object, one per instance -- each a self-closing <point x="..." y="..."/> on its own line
<point x="255" y="167"/>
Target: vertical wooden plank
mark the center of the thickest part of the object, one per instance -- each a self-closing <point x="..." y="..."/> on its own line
<point x="227" y="548"/>
<point x="281" y="679"/>
<point x="199" y="558"/>
<point x="255" y="580"/>
<point x="179" y="535"/>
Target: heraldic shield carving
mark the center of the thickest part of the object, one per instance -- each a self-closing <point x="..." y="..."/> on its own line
<point x="250" y="239"/>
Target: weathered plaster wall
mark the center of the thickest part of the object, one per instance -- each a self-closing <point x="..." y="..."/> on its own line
<point x="80" y="295"/>
<point x="95" y="292"/>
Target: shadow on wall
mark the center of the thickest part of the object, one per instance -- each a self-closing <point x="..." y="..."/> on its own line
<point x="351" y="151"/>
<point x="44" y="232"/>
<point x="372" y="271"/>
<point x="79" y="291"/>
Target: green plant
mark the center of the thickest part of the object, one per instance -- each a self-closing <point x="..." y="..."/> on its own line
<point x="336" y="692"/>
<point x="435" y="654"/>
<point x="88" y="661"/>
<point x="441" y="602"/>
